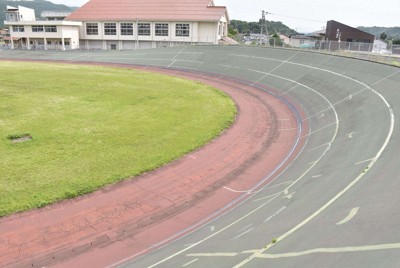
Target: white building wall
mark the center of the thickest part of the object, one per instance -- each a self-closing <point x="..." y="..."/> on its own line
<point x="26" y="14"/>
<point x="208" y="32"/>
<point x="66" y="36"/>
<point x="203" y="32"/>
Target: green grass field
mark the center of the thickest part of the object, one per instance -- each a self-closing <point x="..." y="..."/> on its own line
<point x="93" y="126"/>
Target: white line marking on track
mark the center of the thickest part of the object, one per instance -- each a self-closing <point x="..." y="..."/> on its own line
<point x="287" y="91"/>
<point x="189" y="263"/>
<point x="317" y="176"/>
<point x="250" y="251"/>
<point x="282" y="63"/>
<point x="79" y="56"/>
<point x="279" y="184"/>
<point x="350" y="135"/>
<point x="274" y="215"/>
<point x="212" y="228"/>
<point x="174" y="58"/>
<point x="289" y="196"/>
<point x="244" y="228"/>
<point x="323" y="145"/>
<point x="266" y="197"/>
<point x="229" y="66"/>
<point x="295" y="128"/>
<point x="227" y="254"/>
<point x="351" y="215"/>
<point x="236" y="191"/>
<point x="330" y="250"/>
<point x="368" y="160"/>
<point x="242" y="234"/>
<point x="322" y="128"/>
<point x="214" y="234"/>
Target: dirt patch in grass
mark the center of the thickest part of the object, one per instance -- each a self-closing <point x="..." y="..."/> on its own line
<point x="18" y="138"/>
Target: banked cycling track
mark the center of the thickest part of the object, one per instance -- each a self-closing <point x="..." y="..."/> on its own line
<point x="319" y="187"/>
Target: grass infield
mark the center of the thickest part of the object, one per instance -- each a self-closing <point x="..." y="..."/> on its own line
<point x="66" y="130"/>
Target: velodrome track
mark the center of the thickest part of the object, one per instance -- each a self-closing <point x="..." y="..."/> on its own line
<point x="335" y="205"/>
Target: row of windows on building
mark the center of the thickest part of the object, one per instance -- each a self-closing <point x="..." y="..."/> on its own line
<point x="143" y="29"/>
<point x="36" y="28"/>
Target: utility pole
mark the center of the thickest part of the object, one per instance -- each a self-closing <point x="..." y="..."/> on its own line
<point x="264" y="25"/>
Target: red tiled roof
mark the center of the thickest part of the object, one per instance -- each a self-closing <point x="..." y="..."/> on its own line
<point x="148" y="10"/>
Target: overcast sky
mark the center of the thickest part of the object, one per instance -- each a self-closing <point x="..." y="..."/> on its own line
<point x="308" y="15"/>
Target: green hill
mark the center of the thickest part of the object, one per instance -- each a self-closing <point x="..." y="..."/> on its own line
<point x="391" y="32"/>
<point x="244" y="27"/>
<point x="37" y="5"/>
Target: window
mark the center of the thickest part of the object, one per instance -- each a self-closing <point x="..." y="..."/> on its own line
<point x="110" y="28"/>
<point x="49" y="42"/>
<point x="92" y="28"/>
<point x="161" y="29"/>
<point x="143" y="28"/>
<point x="126" y="28"/>
<point x="50" y="29"/>
<point x="182" y="29"/>
<point x="18" y="29"/>
<point x="37" y="28"/>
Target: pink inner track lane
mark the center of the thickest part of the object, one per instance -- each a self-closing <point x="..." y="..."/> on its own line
<point x="129" y="218"/>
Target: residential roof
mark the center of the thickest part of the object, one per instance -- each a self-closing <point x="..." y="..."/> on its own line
<point x="8" y="38"/>
<point x="149" y="10"/>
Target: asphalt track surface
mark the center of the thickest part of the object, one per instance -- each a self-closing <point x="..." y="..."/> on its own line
<point x="334" y="203"/>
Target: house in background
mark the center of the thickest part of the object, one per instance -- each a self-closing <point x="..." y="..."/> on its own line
<point x="318" y="35"/>
<point x="380" y="46"/>
<point x="3" y="36"/>
<point x="306" y="40"/>
<point x="336" y="31"/>
<point x="285" y="39"/>
<point x="301" y="41"/>
<point x="343" y="37"/>
<point x="255" y="39"/>
<point x="126" y="24"/>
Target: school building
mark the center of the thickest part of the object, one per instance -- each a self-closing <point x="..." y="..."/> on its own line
<point x="120" y="25"/>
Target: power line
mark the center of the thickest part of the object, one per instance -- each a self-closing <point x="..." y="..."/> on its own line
<point x="297" y="18"/>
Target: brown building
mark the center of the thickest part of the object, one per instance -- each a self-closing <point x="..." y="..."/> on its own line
<point x="336" y="31"/>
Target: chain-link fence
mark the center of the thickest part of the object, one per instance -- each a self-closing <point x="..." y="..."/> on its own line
<point x="389" y="54"/>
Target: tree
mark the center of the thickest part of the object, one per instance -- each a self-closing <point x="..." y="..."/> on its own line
<point x="396" y="41"/>
<point x="275" y="40"/>
<point x="383" y="36"/>
<point x="232" y="31"/>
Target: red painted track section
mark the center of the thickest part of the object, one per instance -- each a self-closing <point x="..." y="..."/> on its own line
<point x="130" y="218"/>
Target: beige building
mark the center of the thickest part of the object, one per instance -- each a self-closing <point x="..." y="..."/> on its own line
<point x="28" y="33"/>
<point x="123" y="25"/>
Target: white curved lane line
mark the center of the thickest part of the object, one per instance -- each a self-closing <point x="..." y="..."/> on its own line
<point x="331" y="250"/>
<point x="349" y="217"/>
